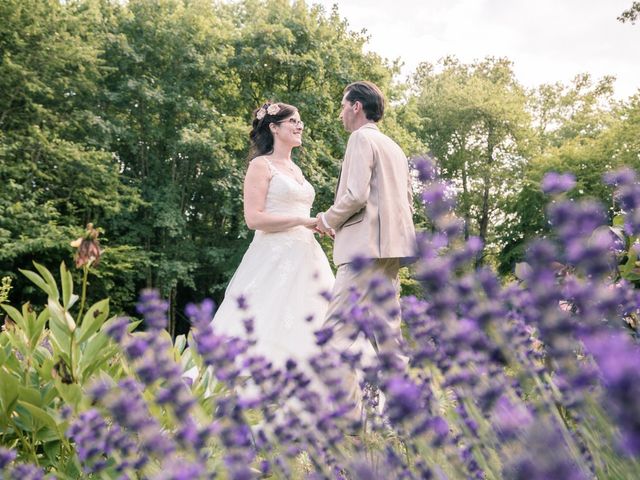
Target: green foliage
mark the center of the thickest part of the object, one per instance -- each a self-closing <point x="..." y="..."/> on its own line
<point x="5" y="288"/>
<point x="134" y="116"/>
<point x="474" y="121"/>
<point x="46" y="358"/>
<point x="581" y="130"/>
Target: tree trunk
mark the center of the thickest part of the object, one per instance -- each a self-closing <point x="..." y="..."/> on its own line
<point x="484" y="221"/>
<point x="465" y="196"/>
<point x="172" y="312"/>
<point x="484" y="211"/>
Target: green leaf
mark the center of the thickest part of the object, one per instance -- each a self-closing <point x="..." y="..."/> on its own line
<point x="93" y="319"/>
<point x="39" y="281"/>
<point x="31" y="395"/>
<point x="29" y="316"/>
<point x="66" y="282"/>
<point x="16" y="316"/>
<point x="38" y="326"/>
<point x="60" y="315"/>
<point x="618" y="221"/>
<point x="45" y="369"/>
<point x="43" y="418"/>
<point x="98" y="362"/>
<point x="60" y="336"/>
<point x="51" y="282"/>
<point x="94" y="345"/>
<point x="70" y="393"/>
<point x="627" y="270"/>
<point x="180" y="343"/>
<point x="52" y="450"/>
<point x="8" y="391"/>
<point x="97" y="351"/>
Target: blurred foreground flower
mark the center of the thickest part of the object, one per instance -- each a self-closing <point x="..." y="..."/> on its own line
<point x="554" y="183"/>
<point x="88" y="246"/>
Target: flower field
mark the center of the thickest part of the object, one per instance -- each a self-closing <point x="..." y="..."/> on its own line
<point x="534" y="378"/>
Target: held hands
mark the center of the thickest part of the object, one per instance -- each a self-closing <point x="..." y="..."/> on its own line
<point x="322" y="229"/>
<point x="310" y="223"/>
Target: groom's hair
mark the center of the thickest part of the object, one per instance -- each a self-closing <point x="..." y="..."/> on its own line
<point x="369" y="95"/>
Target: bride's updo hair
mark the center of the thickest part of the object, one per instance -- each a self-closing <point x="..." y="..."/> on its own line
<point x="260" y="135"/>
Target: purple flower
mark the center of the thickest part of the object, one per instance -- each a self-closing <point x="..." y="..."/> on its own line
<point x="426" y="168"/>
<point x="440" y="428"/>
<point x="242" y="302"/>
<point x="323" y="335"/>
<point x="117" y="329"/>
<point x="403" y="398"/>
<point x="545" y="456"/>
<point x="359" y="263"/>
<point x="153" y="309"/>
<point x="202" y="313"/>
<point x="618" y="359"/>
<point x="554" y="183"/>
<point x="136" y="347"/>
<point x="510" y="419"/>
<point x="438" y="199"/>
<point x="6" y="457"/>
<point x="177" y="468"/>
<point x="25" y="471"/>
<point x="624" y="176"/>
<point x="95" y="441"/>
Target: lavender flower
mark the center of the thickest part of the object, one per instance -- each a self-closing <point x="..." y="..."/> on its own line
<point x="510" y="419"/>
<point x="403" y="399"/>
<point x="544" y="456"/>
<point x="618" y="359"/>
<point x="623" y="176"/>
<point x="153" y="309"/>
<point x="426" y="168"/>
<point x="25" y="471"/>
<point x="555" y="183"/>
<point x="117" y="329"/>
<point x="6" y="457"/>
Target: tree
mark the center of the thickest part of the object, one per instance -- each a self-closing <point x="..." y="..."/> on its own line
<point x="631" y="14"/>
<point x="55" y="175"/>
<point x="579" y="129"/>
<point x="473" y="118"/>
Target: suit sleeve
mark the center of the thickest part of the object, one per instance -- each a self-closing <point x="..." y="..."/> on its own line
<point x="357" y="171"/>
<point x="410" y="192"/>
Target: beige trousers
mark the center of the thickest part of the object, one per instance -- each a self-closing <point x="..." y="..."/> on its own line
<point x="372" y="294"/>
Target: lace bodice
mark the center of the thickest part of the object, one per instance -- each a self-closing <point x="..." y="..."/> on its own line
<point x="286" y="196"/>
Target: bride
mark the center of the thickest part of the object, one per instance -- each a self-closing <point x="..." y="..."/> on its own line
<point x="284" y="277"/>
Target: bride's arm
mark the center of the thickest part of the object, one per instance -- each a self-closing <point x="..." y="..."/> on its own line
<point x="256" y="184"/>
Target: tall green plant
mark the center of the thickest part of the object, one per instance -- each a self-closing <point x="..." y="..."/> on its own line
<point x="46" y="358"/>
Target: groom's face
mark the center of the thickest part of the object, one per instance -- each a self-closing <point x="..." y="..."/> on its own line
<point x="347" y="114"/>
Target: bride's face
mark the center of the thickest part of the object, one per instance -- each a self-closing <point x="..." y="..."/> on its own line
<point x="289" y="130"/>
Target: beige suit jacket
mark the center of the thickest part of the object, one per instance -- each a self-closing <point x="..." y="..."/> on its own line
<point x="372" y="211"/>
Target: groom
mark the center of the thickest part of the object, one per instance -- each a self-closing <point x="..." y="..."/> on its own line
<point x="372" y="220"/>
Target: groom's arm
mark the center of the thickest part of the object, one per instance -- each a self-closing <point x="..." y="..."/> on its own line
<point x="357" y="170"/>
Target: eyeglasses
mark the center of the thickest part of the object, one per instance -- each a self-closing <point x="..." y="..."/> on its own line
<point x="294" y="122"/>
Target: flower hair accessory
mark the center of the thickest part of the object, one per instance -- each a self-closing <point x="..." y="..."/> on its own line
<point x="270" y="108"/>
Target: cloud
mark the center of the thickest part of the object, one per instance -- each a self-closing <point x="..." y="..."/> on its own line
<point x="548" y="40"/>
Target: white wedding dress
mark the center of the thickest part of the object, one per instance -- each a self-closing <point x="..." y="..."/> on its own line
<point x="282" y="277"/>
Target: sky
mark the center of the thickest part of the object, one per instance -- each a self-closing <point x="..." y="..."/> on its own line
<point x="547" y="40"/>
